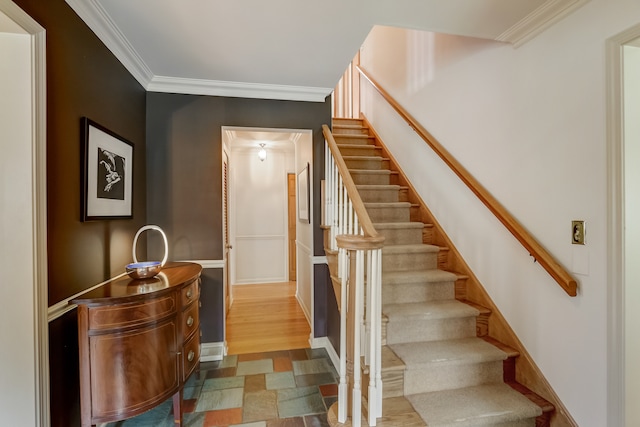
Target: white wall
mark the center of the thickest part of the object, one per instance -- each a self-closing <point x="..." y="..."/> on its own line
<point x="17" y="328"/>
<point x="530" y="125"/>
<point x="632" y="231"/>
<point x="259" y="215"/>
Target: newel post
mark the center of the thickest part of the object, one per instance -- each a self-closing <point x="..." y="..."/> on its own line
<point x="361" y="333"/>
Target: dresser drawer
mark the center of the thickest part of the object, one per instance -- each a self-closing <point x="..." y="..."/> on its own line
<point x="190" y="320"/>
<point x="190" y="356"/>
<point x="131" y="314"/>
<point x="190" y="293"/>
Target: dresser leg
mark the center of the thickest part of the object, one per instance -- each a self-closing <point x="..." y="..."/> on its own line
<point x="177" y="408"/>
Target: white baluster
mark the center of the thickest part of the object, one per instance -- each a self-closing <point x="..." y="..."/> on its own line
<point x="377" y="334"/>
<point x="356" y="397"/>
<point x="343" y="386"/>
<point x="374" y="321"/>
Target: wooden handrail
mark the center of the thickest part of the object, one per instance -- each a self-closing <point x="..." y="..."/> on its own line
<point x="546" y="260"/>
<point x="358" y="205"/>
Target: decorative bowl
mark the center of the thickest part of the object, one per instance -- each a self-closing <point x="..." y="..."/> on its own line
<point x="143" y="270"/>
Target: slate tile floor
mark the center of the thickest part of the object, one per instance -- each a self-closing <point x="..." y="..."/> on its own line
<point x="290" y="388"/>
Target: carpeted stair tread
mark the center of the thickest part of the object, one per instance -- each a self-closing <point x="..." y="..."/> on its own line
<point x="409" y="249"/>
<point x="357" y="146"/>
<point x="428" y="310"/>
<point x="388" y="205"/>
<point x="397" y="225"/>
<point x="483" y="405"/>
<point x="414" y="276"/>
<point x="377" y="187"/>
<point x="354" y="136"/>
<point x="447" y="352"/>
<point x="371" y="176"/>
<point x="346" y="158"/>
<point x="383" y="172"/>
<point x="365" y="150"/>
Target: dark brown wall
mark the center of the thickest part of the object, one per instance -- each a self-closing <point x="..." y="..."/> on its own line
<point x="184" y="159"/>
<point x="83" y="79"/>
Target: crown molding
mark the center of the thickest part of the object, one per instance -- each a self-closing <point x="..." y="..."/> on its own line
<point x="94" y="15"/>
<point x="539" y="20"/>
<point x="237" y="89"/>
<point x="101" y="24"/>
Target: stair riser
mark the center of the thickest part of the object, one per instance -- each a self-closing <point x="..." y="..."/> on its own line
<point x="438" y="377"/>
<point x="402" y="331"/>
<point x="367" y="163"/>
<point x="416" y="292"/>
<point x="379" y="195"/>
<point x="347" y="121"/>
<point x="401" y="236"/>
<point x="359" y="150"/>
<point x="352" y="139"/>
<point x="339" y="130"/>
<point x="409" y="261"/>
<point x="370" y="178"/>
<point x="393" y="381"/>
<point x="390" y="214"/>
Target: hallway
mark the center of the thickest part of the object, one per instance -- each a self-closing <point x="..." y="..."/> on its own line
<point x="266" y="317"/>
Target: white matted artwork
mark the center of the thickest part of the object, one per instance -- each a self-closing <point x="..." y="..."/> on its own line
<point x="108" y="174"/>
<point x="303" y="195"/>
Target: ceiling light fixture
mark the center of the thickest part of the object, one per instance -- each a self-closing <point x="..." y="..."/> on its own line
<point x="262" y="154"/>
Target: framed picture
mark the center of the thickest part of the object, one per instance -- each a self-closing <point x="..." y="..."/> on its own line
<point x="303" y="195"/>
<point x="107" y="174"/>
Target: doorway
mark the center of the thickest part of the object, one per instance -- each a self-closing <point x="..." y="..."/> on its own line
<point x="270" y="246"/>
<point x="291" y="220"/>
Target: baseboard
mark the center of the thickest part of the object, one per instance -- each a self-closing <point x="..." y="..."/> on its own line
<point x="323" y="342"/>
<point x="304" y="308"/>
<point x="212" y="351"/>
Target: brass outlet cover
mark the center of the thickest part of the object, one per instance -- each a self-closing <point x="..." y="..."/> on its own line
<point x="578" y="233"/>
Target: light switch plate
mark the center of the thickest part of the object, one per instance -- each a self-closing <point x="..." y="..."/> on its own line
<point x="578" y="232"/>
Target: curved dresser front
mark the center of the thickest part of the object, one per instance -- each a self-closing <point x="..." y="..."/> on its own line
<point x="139" y="342"/>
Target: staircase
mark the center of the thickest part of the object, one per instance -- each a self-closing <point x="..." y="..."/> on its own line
<point x="437" y="353"/>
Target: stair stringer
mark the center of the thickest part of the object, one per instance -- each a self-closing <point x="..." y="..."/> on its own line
<point x="471" y="290"/>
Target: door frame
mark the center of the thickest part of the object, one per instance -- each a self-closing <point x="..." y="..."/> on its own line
<point x="39" y="192"/>
<point x="292" y="218"/>
<point x="615" y="226"/>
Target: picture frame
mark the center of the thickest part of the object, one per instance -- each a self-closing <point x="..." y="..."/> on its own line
<point x="107" y="174"/>
<point x="303" y="195"/>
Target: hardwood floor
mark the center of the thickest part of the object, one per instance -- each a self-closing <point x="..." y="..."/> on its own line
<point x="266" y="317"/>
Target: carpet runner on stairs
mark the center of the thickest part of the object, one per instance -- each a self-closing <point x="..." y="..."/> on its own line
<point x="450" y="376"/>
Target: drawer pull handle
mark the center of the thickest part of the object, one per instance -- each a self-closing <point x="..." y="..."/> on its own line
<point x="189" y="293"/>
<point x="191" y="355"/>
<point x="190" y="321"/>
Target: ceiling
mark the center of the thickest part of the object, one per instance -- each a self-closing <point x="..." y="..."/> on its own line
<point x="284" y="49"/>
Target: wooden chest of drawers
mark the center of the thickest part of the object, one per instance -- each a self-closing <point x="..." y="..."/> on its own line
<point x="139" y="341"/>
